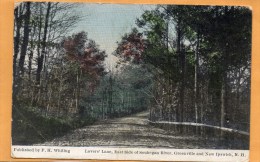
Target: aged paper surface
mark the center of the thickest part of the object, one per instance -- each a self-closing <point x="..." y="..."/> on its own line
<point x="106" y="100"/>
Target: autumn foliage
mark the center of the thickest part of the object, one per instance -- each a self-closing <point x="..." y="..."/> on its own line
<point x="131" y="47"/>
<point x="86" y="53"/>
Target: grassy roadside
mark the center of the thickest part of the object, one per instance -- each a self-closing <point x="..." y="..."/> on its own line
<point x="28" y="127"/>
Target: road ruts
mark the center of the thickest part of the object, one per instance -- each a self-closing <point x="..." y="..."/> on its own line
<point x="131" y="131"/>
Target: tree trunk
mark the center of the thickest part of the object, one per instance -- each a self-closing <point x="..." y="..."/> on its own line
<point x="31" y="51"/>
<point x="102" y="105"/>
<point x="223" y="103"/>
<point x="77" y="93"/>
<point x="178" y="51"/>
<point x="110" y="104"/>
<point x="196" y="93"/>
<point x="237" y="105"/>
<point x="224" y="89"/>
<point x="182" y="90"/>
<point x="25" y="39"/>
<point x="18" y="24"/>
<point x="43" y="52"/>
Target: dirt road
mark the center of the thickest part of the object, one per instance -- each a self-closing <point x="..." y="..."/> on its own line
<point x="128" y="131"/>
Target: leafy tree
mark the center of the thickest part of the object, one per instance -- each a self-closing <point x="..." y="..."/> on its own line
<point x="131" y="47"/>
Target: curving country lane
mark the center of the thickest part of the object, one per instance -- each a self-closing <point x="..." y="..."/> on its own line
<point x="131" y="131"/>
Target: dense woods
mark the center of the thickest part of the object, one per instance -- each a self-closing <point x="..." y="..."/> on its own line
<point x="203" y="58"/>
<point x="200" y="59"/>
<point x="181" y="63"/>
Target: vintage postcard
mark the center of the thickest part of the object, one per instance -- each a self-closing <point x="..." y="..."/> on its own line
<point x="131" y="81"/>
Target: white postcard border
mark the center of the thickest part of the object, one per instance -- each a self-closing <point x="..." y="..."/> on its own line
<point x="117" y="153"/>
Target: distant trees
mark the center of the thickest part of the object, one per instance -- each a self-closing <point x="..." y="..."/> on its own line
<point x="121" y="91"/>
